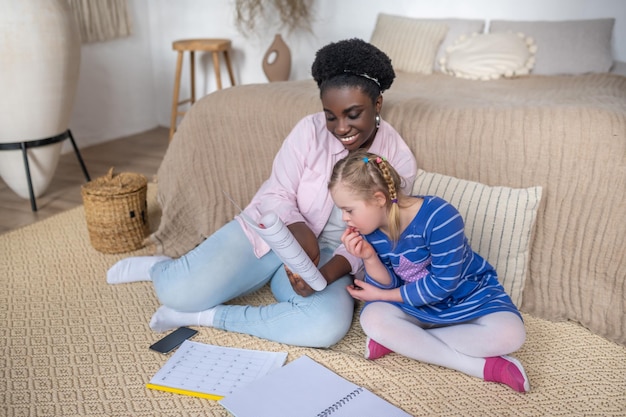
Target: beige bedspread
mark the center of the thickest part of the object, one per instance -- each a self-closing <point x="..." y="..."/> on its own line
<point x="567" y="134"/>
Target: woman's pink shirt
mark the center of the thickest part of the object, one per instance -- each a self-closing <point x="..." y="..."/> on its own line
<point x="297" y="189"/>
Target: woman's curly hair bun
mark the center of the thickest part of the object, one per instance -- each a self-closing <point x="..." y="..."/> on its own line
<point x="354" y="56"/>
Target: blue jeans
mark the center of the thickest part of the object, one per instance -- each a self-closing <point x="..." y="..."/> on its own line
<point x="224" y="267"/>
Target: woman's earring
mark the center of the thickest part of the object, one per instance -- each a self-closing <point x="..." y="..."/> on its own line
<point x="377" y="120"/>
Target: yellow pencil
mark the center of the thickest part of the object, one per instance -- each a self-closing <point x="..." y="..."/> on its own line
<point x="185" y="392"/>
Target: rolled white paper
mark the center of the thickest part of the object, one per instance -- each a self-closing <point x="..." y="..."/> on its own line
<point x="285" y="245"/>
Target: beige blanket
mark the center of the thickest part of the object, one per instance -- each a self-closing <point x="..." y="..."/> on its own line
<point x="566" y="134"/>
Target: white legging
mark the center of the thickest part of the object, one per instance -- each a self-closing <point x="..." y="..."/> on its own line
<point x="462" y="347"/>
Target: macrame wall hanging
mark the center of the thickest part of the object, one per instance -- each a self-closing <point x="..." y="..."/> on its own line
<point x="101" y="20"/>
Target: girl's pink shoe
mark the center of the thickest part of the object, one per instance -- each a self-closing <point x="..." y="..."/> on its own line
<point x="507" y="370"/>
<point x="374" y="350"/>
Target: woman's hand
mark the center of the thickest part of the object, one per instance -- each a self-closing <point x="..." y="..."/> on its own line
<point x="356" y="245"/>
<point x="299" y="285"/>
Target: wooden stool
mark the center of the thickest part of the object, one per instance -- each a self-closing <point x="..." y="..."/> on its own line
<point x="215" y="46"/>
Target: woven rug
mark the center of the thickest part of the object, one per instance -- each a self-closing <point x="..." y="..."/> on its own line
<point x="71" y="345"/>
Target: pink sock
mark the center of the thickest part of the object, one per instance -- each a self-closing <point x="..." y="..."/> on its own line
<point x="374" y="350"/>
<point x="507" y="370"/>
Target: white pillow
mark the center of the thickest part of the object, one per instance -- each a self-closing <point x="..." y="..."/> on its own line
<point x="490" y="56"/>
<point x="456" y="28"/>
<point x="499" y="222"/>
<point x="411" y="44"/>
<point x="568" y="46"/>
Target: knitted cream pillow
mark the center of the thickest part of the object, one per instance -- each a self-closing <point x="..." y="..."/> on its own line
<point x="411" y="44"/>
<point x="498" y="222"/>
<point x="490" y="56"/>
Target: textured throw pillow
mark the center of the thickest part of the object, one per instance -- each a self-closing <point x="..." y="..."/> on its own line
<point x="411" y="44"/>
<point x="489" y="56"/>
<point x="456" y="28"/>
<point x="498" y="222"/>
<point x="566" y="47"/>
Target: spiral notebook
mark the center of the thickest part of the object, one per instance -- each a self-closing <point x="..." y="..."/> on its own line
<point x="305" y="388"/>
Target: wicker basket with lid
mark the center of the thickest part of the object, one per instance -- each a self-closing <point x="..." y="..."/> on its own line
<point x="116" y="211"/>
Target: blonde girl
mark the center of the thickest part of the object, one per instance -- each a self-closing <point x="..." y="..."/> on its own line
<point x="428" y="295"/>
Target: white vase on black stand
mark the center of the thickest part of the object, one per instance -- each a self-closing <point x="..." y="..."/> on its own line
<point x="40" y="53"/>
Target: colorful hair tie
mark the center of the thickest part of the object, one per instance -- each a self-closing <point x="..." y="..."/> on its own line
<point x="379" y="160"/>
<point x="394" y="201"/>
<point x="366" y="160"/>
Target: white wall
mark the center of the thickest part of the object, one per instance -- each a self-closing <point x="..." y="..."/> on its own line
<point x="116" y="91"/>
<point x="126" y="85"/>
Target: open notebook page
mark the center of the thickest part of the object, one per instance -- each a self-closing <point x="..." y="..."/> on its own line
<point x="305" y="388"/>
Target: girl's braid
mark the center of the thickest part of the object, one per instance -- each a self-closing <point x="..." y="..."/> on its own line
<point x="394" y="210"/>
<point x="391" y="186"/>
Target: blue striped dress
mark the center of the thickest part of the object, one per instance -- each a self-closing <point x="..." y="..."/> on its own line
<point x="441" y="279"/>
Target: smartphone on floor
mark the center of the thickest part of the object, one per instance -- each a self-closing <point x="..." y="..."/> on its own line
<point x="171" y="341"/>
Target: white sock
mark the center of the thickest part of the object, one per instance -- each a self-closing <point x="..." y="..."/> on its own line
<point x="165" y="319"/>
<point x="133" y="269"/>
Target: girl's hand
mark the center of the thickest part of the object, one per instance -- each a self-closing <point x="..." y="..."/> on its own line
<point x="356" y="245"/>
<point x="299" y="285"/>
<point x="363" y="291"/>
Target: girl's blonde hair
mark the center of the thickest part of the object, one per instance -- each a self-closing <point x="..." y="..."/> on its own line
<point x="366" y="173"/>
